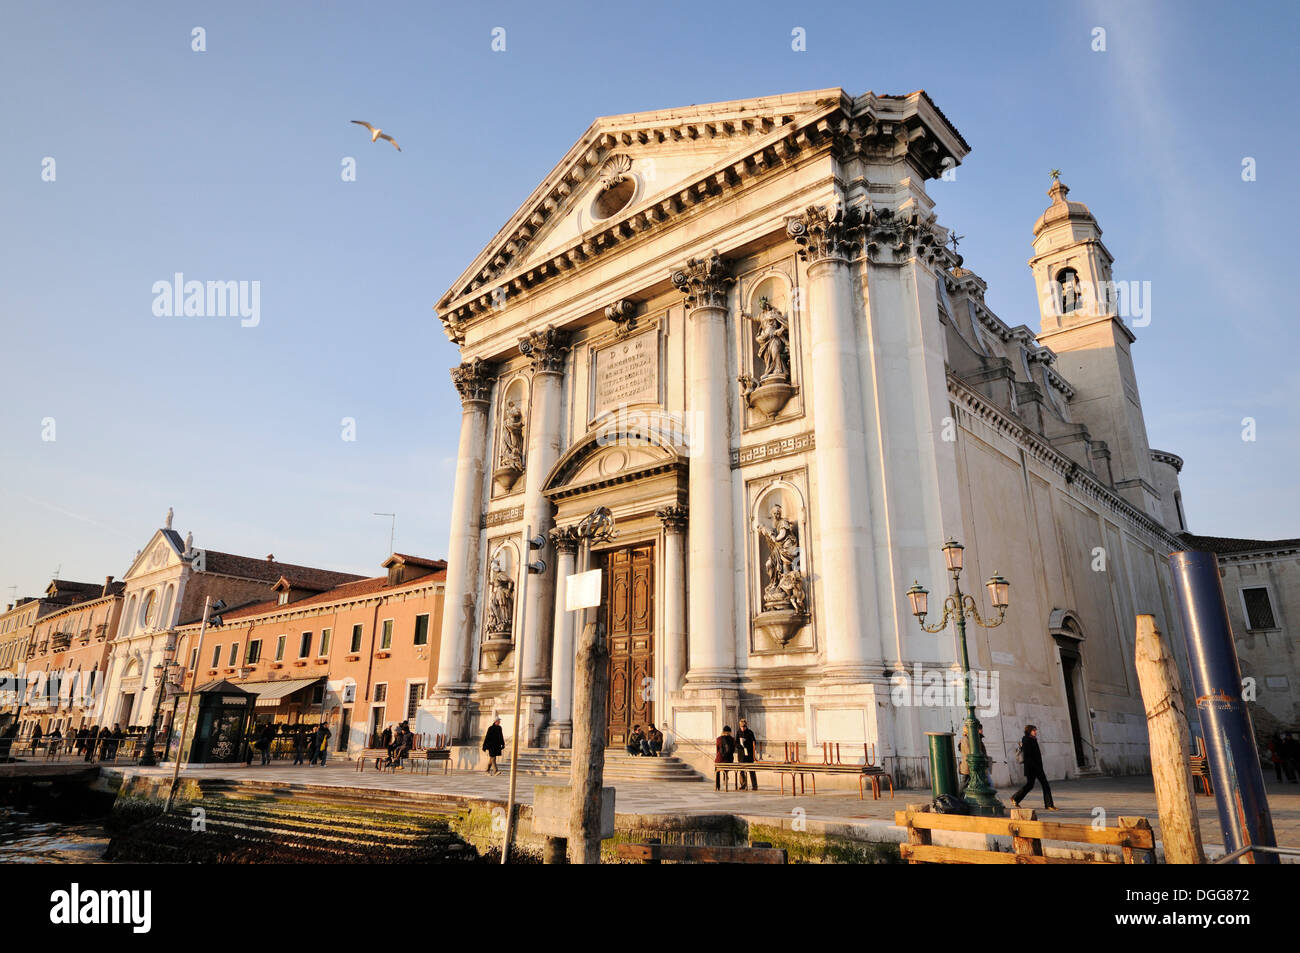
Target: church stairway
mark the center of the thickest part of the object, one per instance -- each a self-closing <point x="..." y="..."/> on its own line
<point x="619" y="765"/>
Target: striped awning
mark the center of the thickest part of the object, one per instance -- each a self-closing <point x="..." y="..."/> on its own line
<point x="273" y="693"/>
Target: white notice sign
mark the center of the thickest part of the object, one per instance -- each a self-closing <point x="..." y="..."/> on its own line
<point x="582" y="590"/>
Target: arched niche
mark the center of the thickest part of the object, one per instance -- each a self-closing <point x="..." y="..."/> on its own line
<point x="500" y="599"/>
<point x="510" y="450"/>
<point x="769" y="355"/>
<point x="781" y="586"/>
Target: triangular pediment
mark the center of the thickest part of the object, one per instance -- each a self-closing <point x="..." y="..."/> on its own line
<point x="164" y="550"/>
<point x="664" y="152"/>
<point x="631" y="174"/>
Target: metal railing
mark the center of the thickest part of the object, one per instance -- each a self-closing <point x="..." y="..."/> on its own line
<point x="1256" y="849"/>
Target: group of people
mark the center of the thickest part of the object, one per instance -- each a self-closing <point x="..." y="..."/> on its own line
<point x="312" y="744"/>
<point x="1284" y="752"/>
<point x="87" y="741"/>
<point x="397" y="745"/>
<point x="740" y="748"/>
<point x="648" y="743"/>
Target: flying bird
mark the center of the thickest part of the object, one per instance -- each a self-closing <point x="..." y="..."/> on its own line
<point x="378" y="134"/>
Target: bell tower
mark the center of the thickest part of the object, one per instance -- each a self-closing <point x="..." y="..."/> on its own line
<point x="1078" y="301"/>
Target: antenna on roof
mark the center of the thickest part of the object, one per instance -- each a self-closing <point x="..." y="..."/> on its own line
<point x="57" y="571"/>
<point x="392" y="529"/>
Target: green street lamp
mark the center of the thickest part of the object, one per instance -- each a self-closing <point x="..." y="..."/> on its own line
<point x="980" y="795"/>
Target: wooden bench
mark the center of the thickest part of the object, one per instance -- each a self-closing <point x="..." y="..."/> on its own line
<point x="425" y="758"/>
<point x="380" y="755"/>
<point x="866" y="773"/>
<point x="653" y="852"/>
<point x="1027" y="833"/>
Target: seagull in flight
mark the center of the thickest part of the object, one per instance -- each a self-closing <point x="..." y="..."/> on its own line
<point x="378" y="134"/>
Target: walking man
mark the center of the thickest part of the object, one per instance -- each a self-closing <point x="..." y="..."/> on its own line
<point x="494" y="742"/>
<point x="323" y="742"/>
<point x="1033" y="763"/>
<point x="745" y="754"/>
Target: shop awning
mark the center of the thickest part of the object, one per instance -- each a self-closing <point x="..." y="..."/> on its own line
<point x="272" y="693"/>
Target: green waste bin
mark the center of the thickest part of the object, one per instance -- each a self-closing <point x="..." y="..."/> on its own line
<point x="943" y="764"/>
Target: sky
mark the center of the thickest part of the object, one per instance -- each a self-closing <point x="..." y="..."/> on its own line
<point x="225" y="164"/>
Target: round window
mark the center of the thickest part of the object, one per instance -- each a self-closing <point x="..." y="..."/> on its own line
<point x="614" y="198"/>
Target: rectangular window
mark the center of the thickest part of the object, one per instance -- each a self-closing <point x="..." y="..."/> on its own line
<point x="356" y="638"/>
<point x="216" y="656"/>
<point x="422" y="629"/>
<point x="194" y="658"/>
<point x="381" y="692"/>
<point x="304" y="645"/>
<point x="325" y="641"/>
<point x="386" y="637"/>
<point x="234" y="654"/>
<point x="254" y="651"/>
<point x="279" y="648"/>
<point x="414" y="695"/>
<point x="1259" y="610"/>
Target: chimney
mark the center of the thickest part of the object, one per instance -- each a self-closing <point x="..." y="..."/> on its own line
<point x="270" y="558"/>
<point x="108" y="586"/>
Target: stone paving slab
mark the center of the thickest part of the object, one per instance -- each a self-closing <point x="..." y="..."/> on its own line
<point x="1078" y="800"/>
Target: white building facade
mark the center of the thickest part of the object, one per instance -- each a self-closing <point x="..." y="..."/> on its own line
<point x="738" y="326"/>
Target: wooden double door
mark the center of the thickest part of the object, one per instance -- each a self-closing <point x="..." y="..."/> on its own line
<point x="629" y="599"/>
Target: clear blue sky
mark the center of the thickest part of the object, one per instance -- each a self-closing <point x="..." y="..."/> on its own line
<point x="225" y="165"/>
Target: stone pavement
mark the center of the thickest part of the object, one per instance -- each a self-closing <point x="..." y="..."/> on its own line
<point x="1078" y="800"/>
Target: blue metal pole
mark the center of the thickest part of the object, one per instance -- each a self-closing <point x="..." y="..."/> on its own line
<point x="1231" y="752"/>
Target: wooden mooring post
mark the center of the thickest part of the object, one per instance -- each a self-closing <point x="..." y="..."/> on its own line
<point x="590" y="695"/>
<point x="1180" y="828"/>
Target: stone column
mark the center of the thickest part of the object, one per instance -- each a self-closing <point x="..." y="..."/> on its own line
<point x="674" y="626"/>
<point x="548" y="351"/>
<point x="712" y="641"/>
<point x="473" y="380"/>
<point x="560" y="731"/>
<point x="843" y="518"/>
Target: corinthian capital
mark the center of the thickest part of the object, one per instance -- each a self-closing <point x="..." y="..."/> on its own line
<point x="473" y="379"/>
<point x="704" y="281"/>
<point x="823" y="235"/>
<point x="565" y="539"/>
<point x="673" y="517"/>
<point x="547" y="349"/>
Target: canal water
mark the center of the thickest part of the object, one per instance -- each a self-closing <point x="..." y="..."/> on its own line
<point x="27" y="837"/>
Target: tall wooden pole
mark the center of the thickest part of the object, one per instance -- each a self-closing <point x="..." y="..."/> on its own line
<point x="519" y="674"/>
<point x="1180" y="827"/>
<point x="189" y="700"/>
<point x="590" y="696"/>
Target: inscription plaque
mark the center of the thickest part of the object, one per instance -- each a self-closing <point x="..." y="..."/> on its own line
<point x="627" y="373"/>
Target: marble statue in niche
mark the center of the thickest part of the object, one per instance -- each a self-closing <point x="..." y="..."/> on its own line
<point x="773" y="390"/>
<point x="784" y="602"/>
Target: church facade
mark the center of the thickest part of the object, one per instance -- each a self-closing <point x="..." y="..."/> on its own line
<point x="741" y="328"/>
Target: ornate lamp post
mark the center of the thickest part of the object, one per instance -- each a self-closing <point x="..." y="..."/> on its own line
<point x="161" y="673"/>
<point x="980" y="795"/>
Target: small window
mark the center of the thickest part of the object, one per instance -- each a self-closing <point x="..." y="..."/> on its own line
<point x="304" y="645"/>
<point x="422" y="629"/>
<point x="356" y="638"/>
<point x="381" y="692"/>
<point x="386" y="639"/>
<point x="234" y="654"/>
<point x="325" y="641"/>
<point x="279" y="648"/>
<point x="284" y="599"/>
<point x="216" y="656"/>
<point x="318" y="694"/>
<point x="194" y="658"/>
<point x="1259" y="610"/>
<point x="414" y="695"/>
<point x="254" y="651"/>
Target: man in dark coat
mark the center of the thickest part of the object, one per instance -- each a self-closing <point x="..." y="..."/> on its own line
<point x="494" y="742"/>
<point x="386" y="740"/>
<point x="745" y="754"/>
<point x="322" y="742"/>
<point x="725" y="752"/>
<point x="1033" y="764"/>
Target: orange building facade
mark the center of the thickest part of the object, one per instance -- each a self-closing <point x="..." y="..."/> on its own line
<point x="359" y="656"/>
